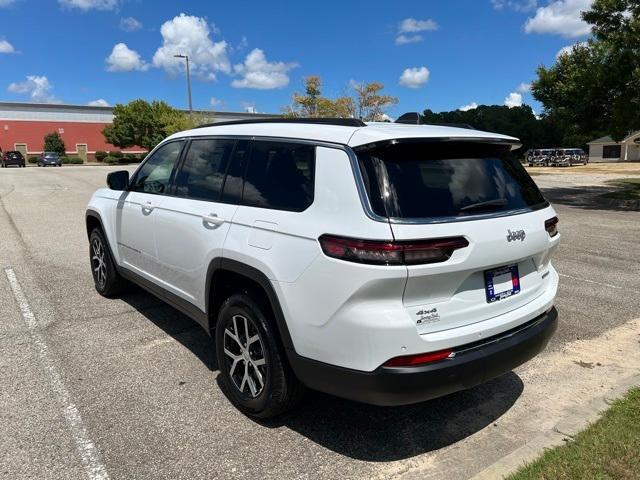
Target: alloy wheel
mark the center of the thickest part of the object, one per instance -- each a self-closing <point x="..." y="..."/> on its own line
<point x="245" y="356"/>
<point x="98" y="261"/>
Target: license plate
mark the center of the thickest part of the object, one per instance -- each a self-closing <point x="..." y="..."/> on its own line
<point x="501" y="283"/>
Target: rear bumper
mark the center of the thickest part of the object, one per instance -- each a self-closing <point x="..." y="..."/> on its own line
<point x="472" y="365"/>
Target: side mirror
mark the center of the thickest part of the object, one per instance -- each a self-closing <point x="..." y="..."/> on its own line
<point x="118" y="180"/>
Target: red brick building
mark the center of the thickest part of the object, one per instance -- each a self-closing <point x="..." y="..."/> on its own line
<point x="24" y="125"/>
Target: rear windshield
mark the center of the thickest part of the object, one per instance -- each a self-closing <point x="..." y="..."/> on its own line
<point x="446" y="179"/>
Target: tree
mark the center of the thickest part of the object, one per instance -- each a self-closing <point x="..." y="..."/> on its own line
<point x="370" y="104"/>
<point x="313" y="104"/>
<point x="594" y="89"/>
<point x="143" y="124"/>
<point x="53" y="143"/>
<point x="518" y="122"/>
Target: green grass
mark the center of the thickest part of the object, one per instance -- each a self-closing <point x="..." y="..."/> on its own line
<point x="630" y="189"/>
<point x="608" y="449"/>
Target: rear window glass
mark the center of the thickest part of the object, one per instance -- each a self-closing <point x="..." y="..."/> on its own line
<point x="280" y="176"/>
<point x="448" y="179"/>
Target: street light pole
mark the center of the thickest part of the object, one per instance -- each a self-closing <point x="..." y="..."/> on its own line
<point x="186" y="57"/>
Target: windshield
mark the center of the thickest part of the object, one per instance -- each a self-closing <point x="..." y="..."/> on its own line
<point x="448" y="179"/>
<point x="51" y="155"/>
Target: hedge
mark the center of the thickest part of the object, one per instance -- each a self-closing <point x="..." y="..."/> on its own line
<point x="109" y="160"/>
<point x="75" y="160"/>
<point x="116" y="154"/>
<point x="33" y="160"/>
<point x="101" y="155"/>
<point x="64" y="160"/>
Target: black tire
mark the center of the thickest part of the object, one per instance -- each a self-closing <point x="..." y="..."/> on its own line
<point x="280" y="390"/>
<point x="106" y="278"/>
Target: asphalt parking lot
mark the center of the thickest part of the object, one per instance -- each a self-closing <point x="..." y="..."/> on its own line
<point x="126" y="388"/>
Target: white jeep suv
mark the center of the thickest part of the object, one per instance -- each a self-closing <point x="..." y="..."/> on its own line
<point x="383" y="263"/>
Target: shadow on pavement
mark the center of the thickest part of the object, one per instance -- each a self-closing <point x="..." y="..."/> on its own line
<point x="586" y="197"/>
<point x="182" y="328"/>
<point x="356" y="430"/>
<point x="382" y="434"/>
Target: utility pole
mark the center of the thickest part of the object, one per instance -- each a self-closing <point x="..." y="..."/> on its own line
<point x="186" y="57"/>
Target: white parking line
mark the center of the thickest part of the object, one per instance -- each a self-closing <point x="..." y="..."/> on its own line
<point x="592" y="281"/>
<point x="86" y="448"/>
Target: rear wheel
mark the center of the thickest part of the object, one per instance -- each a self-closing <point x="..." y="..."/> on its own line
<point x="107" y="280"/>
<point x="254" y="372"/>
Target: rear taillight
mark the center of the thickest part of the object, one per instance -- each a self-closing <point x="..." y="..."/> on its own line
<point x="377" y="252"/>
<point x="551" y="226"/>
<point x="419" y="359"/>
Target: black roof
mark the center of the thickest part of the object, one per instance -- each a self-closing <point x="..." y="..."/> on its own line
<point x="344" y="122"/>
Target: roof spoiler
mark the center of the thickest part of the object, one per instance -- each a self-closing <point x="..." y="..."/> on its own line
<point x="414" y="118"/>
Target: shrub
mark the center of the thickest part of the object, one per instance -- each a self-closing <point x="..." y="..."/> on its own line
<point x="143" y="155"/>
<point x="64" y="160"/>
<point x="75" y="160"/>
<point x="33" y="160"/>
<point x="131" y="157"/>
<point x="116" y="154"/>
<point x="53" y="143"/>
<point x="109" y="160"/>
<point x="101" y="155"/>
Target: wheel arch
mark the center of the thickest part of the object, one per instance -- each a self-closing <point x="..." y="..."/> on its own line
<point x="226" y="276"/>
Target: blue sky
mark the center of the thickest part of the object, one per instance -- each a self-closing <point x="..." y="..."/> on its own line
<point x="432" y="54"/>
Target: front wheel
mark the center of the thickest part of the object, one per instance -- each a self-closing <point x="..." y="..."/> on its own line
<point x="254" y="372"/>
<point x="108" y="281"/>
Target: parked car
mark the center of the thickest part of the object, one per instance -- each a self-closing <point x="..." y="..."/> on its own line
<point x="49" y="158"/>
<point x="383" y="263"/>
<point x="569" y="157"/>
<point x="12" y="158"/>
<point x="540" y="156"/>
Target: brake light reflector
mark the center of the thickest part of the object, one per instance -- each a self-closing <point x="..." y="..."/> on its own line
<point x="419" y="359"/>
<point x="380" y="252"/>
<point x="551" y="226"/>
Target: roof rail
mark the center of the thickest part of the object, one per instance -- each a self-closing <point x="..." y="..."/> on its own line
<point x="344" y="122"/>
<point x="410" y="118"/>
<point x="414" y="118"/>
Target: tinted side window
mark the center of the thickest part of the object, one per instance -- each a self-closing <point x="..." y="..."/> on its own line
<point x="280" y="176"/>
<point x="202" y="173"/>
<point x="155" y="175"/>
<point x="232" y="192"/>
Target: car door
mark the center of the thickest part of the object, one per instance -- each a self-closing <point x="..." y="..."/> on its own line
<point x="136" y="214"/>
<point x="191" y="225"/>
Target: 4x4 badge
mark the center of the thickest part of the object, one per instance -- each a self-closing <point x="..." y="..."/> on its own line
<point x="515" y="235"/>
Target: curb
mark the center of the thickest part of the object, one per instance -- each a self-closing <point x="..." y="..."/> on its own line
<point x="564" y="431"/>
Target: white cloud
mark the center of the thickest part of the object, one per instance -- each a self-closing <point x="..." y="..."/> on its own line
<point x="560" y="17"/>
<point x="6" y="47"/>
<point x="524" y="87"/>
<point x="516" y="5"/>
<point x="37" y="87"/>
<point x="405" y="39"/>
<point x="259" y="73"/>
<point x="470" y="106"/>
<point x="123" y="59"/>
<point x="130" y="24"/>
<point x="413" y="27"/>
<point x="216" y="102"/>
<point x="86" y="5"/>
<point x="569" y="48"/>
<point x="414" y="77"/>
<point x="100" y="102"/>
<point x="514" y="99"/>
<point x="188" y="35"/>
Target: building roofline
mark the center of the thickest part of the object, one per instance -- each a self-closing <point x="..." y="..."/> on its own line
<point x="109" y="109"/>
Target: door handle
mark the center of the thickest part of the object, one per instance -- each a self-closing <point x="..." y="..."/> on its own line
<point x="148" y="206"/>
<point x="212" y="219"/>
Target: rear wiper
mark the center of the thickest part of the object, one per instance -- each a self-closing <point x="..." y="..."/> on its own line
<point x="488" y="205"/>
